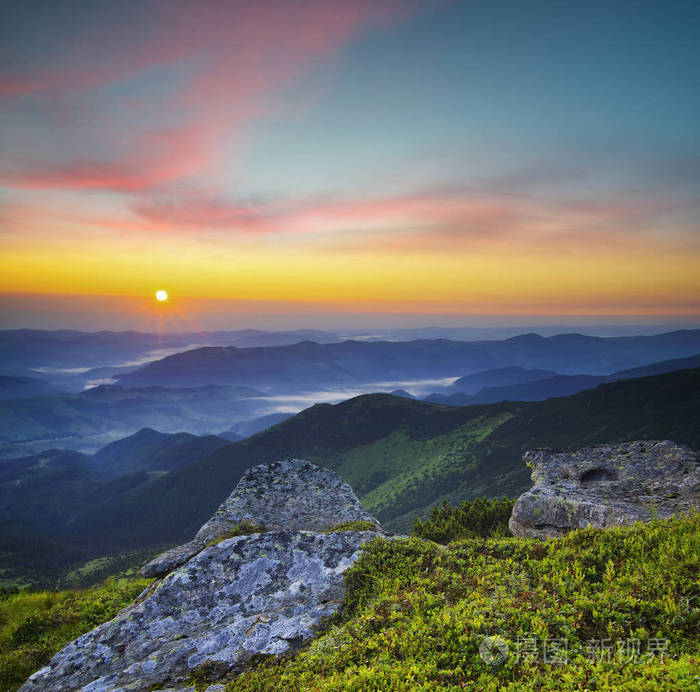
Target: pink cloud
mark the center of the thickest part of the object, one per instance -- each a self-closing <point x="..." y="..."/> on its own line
<point x="226" y="61"/>
<point x="157" y="158"/>
<point x="436" y="220"/>
<point x="428" y="211"/>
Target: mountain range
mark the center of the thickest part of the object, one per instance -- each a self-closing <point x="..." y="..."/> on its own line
<point x="309" y="366"/>
<point x="75" y="359"/>
<point x="519" y="384"/>
<point x="401" y="456"/>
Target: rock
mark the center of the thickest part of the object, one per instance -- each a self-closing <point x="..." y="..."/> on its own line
<point x="604" y="486"/>
<point x="263" y="593"/>
<point x="247" y="595"/>
<point x="293" y="495"/>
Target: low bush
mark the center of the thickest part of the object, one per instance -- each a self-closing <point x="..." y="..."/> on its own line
<point x="479" y="517"/>
<point x="597" y="610"/>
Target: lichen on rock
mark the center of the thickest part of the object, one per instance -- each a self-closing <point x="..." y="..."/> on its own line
<point x="606" y="485"/>
<point x="293" y="494"/>
<point x="248" y="595"/>
<point x="263" y="593"/>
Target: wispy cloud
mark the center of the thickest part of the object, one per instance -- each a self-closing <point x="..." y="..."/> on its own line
<point x="429" y="221"/>
<point x="223" y="73"/>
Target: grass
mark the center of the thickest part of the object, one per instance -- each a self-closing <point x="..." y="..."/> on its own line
<point x="416" y="614"/>
<point x="420" y="615"/>
<point x="394" y="474"/>
<point x="244" y="528"/>
<point x="35" y="625"/>
<point x="352" y="526"/>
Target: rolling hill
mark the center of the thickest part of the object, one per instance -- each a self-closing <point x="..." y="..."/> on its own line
<point x="40" y="494"/>
<point x="308" y="365"/>
<point x="539" y="389"/>
<point x="499" y="377"/>
<point x="400" y="455"/>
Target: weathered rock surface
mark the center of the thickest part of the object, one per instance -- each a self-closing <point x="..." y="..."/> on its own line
<point x="604" y="486"/>
<point x="293" y="494"/>
<point x="262" y="593"/>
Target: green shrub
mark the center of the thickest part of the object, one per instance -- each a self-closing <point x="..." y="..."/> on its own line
<point x="479" y="517"/>
<point x="415" y="615"/>
<point x="35" y="625"/>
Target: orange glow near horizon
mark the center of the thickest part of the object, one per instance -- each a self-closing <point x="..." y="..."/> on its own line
<point x="488" y="278"/>
<point x="251" y="157"/>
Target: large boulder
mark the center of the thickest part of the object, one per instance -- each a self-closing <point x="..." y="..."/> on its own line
<point x="292" y="494"/>
<point x="604" y="486"/>
<point x="257" y="594"/>
<point x="233" y="598"/>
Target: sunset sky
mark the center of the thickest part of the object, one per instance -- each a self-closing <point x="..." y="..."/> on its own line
<point x="485" y="157"/>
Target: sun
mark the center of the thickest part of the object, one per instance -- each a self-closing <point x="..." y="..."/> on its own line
<point x="161" y="295"/>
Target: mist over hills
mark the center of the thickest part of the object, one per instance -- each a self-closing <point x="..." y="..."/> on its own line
<point x="227" y="389"/>
<point x="400" y="456"/>
<point x="308" y="365"/>
<point x="75" y="359"/>
<point x="86" y="418"/>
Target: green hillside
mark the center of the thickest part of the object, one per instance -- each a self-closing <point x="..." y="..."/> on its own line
<point x="401" y="456"/>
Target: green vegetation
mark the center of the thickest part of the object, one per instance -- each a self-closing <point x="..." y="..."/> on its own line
<point x="353" y="526"/>
<point x="598" y="610"/>
<point x="123" y="566"/>
<point x="35" y="625"/>
<point x="396" y="472"/>
<point x="480" y="517"/>
<point x="416" y="614"/>
<point x="400" y="456"/>
<point x="244" y="528"/>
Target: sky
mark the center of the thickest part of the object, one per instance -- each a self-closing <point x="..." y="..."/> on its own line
<point x="270" y="163"/>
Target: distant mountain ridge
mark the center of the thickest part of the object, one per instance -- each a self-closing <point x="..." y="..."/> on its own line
<point x="309" y="365"/>
<point x="21" y="350"/>
<point x="500" y="377"/>
<point x="541" y="388"/>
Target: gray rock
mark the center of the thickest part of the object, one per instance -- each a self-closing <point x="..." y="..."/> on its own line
<point x="604" y="486"/>
<point x="257" y="594"/>
<point x="294" y="494"/>
<point x="264" y="593"/>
